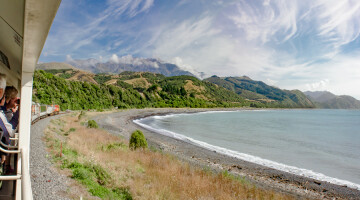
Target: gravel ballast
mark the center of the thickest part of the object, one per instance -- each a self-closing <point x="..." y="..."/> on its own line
<point x="46" y="182"/>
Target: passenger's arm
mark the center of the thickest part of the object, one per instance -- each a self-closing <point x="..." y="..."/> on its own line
<point x="6" y="127"/>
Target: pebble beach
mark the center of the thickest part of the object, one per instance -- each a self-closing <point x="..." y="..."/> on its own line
<point x="48" y="183"/>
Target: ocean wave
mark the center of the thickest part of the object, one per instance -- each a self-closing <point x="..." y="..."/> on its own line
<point x="254" y="159"/>
<point x="195" y="113"/>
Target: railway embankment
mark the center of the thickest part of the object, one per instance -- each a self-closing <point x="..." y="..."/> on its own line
<point x="47" y="183"/>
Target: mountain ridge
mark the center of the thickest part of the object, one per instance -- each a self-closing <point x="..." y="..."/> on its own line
<point x="129" y="63"/>
<point x="261" y="92"/>
<point x="326" y="99"/>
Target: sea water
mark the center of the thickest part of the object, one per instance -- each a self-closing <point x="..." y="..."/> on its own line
<point x="320" y="144"/>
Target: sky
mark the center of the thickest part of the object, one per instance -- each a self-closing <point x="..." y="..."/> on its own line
<point x="299" y="44"/>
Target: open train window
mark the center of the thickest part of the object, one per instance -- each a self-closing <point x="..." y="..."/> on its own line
<point x="4" y="59"/>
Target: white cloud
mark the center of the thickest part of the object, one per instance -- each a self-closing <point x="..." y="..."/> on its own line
<point x="114" y="58"/>
<point x="73" y="36"/>
<point x="69" y="58"/>
<point x="263" y="23"/>
<point x="130" y="60"/>
<point x="270" y="82"/>
<point x="129" y="7"/>
<point x="339" y="76"/>
<point x="318" y="86"/>
<point x="339" y="20"/>
<point x="180" y="63"/>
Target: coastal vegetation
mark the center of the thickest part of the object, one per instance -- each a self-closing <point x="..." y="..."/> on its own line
<point x="103" y="166"/>
<point x="144" y="89"/>
<point x="92" y="124"/>
<point x="137" y="140"/>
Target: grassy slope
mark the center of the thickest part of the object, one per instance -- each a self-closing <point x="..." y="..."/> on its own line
<point x="104" y="165"/>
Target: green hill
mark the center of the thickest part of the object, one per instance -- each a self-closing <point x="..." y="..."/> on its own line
<point x="131" y="90"/>
<point x="258" y="91"/>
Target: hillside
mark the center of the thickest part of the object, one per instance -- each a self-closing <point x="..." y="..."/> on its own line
<point x="228" y="91"/>
<point x="258" y="91"/>
<point x="325" y="99"/>
<point x="131" y="90"/>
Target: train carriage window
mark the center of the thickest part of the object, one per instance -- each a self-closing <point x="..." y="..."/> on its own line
<point x="4" y="59"/>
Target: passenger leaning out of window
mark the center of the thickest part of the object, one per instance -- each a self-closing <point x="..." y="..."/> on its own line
<point x="11" y="102"/>
<point x="8" y="127"/>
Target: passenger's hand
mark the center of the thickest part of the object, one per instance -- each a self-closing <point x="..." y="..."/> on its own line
<point x="12" y="103"/>
<point x="2" y="102"/>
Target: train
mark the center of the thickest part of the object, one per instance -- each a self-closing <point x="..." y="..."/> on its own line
<point x="40" y="111"/>
<point x="24" y="27"/>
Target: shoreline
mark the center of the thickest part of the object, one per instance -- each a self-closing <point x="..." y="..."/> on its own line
<point x="121" y="123"/>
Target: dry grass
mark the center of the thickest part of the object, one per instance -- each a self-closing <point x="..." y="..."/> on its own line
<point x="154" y="175"/>
<point x="111" y="82"/>
<point x="139" y="82"/>
<point x="190" y="87"/>
<point x="83" y="76"/>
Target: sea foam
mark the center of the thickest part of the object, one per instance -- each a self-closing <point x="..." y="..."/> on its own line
<point x="246" y="157"/>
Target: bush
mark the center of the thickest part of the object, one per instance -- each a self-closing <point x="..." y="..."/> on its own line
<point x="92" y="124"/>
<point x="137" y="140"/>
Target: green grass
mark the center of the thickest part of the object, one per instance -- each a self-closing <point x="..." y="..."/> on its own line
<point x="114" y="146"/>
<point x="95" y="178"/>
<point x="240" y="179"/>
<point x="69" y="131"/>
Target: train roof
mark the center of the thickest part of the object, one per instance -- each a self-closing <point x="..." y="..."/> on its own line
<point x="24" y="26"/>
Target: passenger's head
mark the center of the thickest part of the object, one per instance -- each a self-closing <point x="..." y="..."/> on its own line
<point x="2" y="84"/>
<point x="10" y="92"/>
<point x="10" y="97"/>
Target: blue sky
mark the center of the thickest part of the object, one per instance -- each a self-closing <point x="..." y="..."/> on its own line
<point x="297" y="44"/>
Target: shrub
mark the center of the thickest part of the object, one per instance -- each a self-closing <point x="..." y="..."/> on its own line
<point x="137" y="140"/>
<point x="92" y="124"/>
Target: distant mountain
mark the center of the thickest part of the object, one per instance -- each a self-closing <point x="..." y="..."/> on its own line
<point x="325" y="99"/>
<point x="129" y="63"/>
<point x="260" y="92"/>
<point x="320" y="96"/>
<point x="53" y="65"/>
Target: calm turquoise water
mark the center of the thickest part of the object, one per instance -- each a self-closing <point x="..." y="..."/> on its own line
<point x="323" y="144"/>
